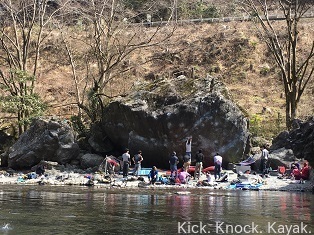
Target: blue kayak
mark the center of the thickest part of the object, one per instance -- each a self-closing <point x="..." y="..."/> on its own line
<point x="245" y="186"/>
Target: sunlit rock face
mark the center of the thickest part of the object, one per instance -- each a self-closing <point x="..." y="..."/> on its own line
<point x="158" y="117"/>
<point x="48" y="140"/>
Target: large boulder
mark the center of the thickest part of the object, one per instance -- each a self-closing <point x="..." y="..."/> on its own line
<point x="158" y="117"/>
<point x="281" y="157"/>
<point x="300" y="140"/>
<point x="91" y="160"/>
<point x="48" y="140"/>
<point x="278" y="157"/>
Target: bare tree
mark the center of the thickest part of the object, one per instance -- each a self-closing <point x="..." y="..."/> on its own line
<point x="296" y="67"/>
<point x="109" y="42"/>
<point x="24" y="26"/>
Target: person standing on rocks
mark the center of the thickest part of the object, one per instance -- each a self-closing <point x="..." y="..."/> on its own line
<point x="264" y="159"/>
<point x="217" y="163"/>
<point x="186" y="162"/>
<point x="126" y="162"/>
<point x="173" y="165"/>
<point x="137" y="159"/>
<point x="199" y="164"/>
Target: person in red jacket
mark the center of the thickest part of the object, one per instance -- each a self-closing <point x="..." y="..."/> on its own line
<point x="296" y="174"/>
<point x="305" y="172"/>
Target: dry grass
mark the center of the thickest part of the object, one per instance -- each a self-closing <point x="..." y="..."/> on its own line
<point x="240" y="60"/>
<point x="229" y="51"/>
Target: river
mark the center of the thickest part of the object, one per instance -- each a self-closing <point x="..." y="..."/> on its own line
<point x="87" y="210"/>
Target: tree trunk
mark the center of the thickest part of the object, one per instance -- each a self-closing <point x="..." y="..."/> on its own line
<point x="296" y="67"/>
<point x="20" y="126"/>
<point x="291" y="109"/>
<point x="294" y="111"/>
<point x="288" y="112"/>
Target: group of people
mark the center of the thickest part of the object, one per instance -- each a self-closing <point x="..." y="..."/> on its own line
<point x="183" y="176"/>
<point x="298" y="173"/>
<point x="126" y="160"/>
<point x="178" y="176"/>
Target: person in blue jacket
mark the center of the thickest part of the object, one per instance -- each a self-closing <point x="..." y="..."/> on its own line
<point x="153" y="175"/>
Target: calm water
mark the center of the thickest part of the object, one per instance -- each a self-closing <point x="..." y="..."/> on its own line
<point x="75" y="210"/>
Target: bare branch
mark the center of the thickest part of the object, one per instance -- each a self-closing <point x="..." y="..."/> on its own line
<point x="296" y="71"/>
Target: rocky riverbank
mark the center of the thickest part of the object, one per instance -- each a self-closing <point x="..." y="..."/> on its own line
<point x="68" y="177"/>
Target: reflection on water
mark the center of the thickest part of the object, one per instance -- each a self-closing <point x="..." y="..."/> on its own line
<point x="74" y="210"/>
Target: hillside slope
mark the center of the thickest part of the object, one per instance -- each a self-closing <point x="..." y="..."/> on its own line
<point x="230" y="51"/>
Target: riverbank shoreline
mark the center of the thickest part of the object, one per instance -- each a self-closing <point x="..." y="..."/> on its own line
<point x="55" y="177"/>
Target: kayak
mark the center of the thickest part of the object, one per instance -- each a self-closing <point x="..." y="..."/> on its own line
<point x="245" y="186"/>
<point x="191" y="170"/>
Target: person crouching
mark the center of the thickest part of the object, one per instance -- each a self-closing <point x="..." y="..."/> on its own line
<point x="184" y="177"/>
<point x="153" y="175"/>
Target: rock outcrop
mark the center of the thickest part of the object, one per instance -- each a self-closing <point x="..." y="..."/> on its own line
<point x="91" y="160"/>
<point x="48" y="140"/>
<point x="300" y="140"/>
<point x="159" y="115"/>
<point x="277" y="157"/>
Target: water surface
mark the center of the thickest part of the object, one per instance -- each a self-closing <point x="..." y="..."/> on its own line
<point x="88" y="210"/>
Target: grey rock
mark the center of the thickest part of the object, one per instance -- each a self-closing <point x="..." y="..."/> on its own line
<point x="300" y="140"/>
<point x="283" y="154"/>
<point x="48" y="140"/>
<point x="67" y="152"/>
<point x="99" y="142"/>
<point x="91" y="161"/>
<point x="158" y="117"/>
<point x="278" y="157"/>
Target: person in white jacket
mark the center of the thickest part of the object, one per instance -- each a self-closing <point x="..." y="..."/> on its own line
<point x="217" y="163"/>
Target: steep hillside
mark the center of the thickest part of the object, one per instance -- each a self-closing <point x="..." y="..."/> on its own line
<point x="230" y="51"/>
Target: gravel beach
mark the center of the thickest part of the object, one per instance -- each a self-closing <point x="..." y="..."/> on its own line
<point x="68" y="177"/>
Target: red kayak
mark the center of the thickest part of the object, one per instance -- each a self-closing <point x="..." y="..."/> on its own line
<point x="209" y="169"/>
<point x="192" y="170"/>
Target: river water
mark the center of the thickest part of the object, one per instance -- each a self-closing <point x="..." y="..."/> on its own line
<point x="88" y="210"/>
